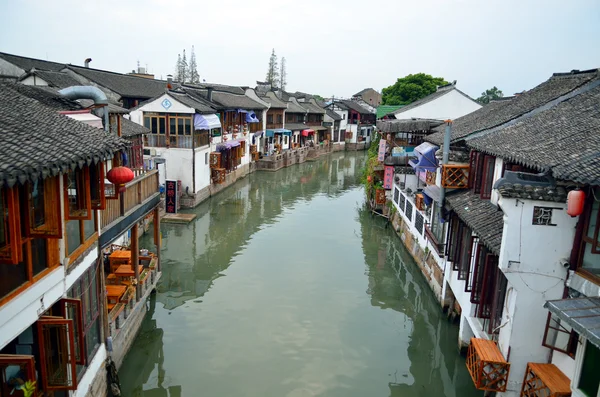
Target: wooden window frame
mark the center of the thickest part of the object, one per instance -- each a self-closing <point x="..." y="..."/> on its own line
<point x="84" y="201"/>
<point x="477" y="172"/>
<point x="68" y="338"/>
<point x="580" y="245"/>
<point x="571" y="348"/>
<point x="98" y="203"/>
<point x="27" y="364"/>
<point x="488" y="286"/>
<point x="64" y="304"/>
<point x="114" y="193"/>
<point x="498" y="303"/>
<point x="86" y="243"/>
<point x="52" y="227"/>
<point x="479" y="266"/>
<point x="487" y="180"/>
<point x="11" y="253"/>
<point x="464" y="270"/>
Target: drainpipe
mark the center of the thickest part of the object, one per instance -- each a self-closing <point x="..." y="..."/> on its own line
<point x="446" y="151"/>
<point x="87" y="62"/>
<point x="88" y="92"/>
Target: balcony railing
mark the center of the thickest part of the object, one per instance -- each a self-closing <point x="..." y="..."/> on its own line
<point x="136" y="192"/>
<point x="455" y="176"/>
<point x="272" y="126"/>
<point x="198" y="139"/>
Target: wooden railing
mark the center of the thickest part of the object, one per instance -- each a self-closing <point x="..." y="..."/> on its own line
<point x="136" y="192"/>
<point x="272" y="126"/>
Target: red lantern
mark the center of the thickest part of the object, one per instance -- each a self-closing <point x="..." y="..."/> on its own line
<point x="575" y="201"/>
<point x="119" y="176"/>
<point x="369" y="178"/>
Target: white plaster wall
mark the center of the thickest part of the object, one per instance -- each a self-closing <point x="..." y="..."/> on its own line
<point x="202" y="168"/>
<point x="497" y="175"/>
<point x="8" y="69"/>
<point x="178" y="164"/>
<point x="565" y="363"/>
<point x="157" y="107"/>
<point x="531" y="261"/>
<point x="450" y="106"/>
<point x="33" y="80"/>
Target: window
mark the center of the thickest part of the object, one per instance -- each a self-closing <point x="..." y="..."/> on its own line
<point x="57" y="359"/>
<point x="180" y="131"/>
<point x="419" y="222"/>
<point x="402" y="202"/>
<point x="542" y="216"/>
<point x="269" y="119"/>
<point x="487" y="181"/>
<point x="78" y="203"/>
<point x="97" y="189"/>
<point x="560" y="336"/>
<point x="396" y="194"/>
<point x="18" y="367"/>
<point x="589" y="250"/>
<point x="157" y="125"/>
<point x="409" y="210"/>
<point x="488" y="288"/>
<point x="589" y="382"/>
<point x="80" y="235"/>
<point x="10" y="228"/>
<point x="497" y="303"/>
<point x="86" y="290"/>
<point x="279" y="118"/>
<point x="464" y="265"/>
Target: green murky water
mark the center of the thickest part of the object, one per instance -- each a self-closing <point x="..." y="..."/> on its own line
<point x="284" y="286"/>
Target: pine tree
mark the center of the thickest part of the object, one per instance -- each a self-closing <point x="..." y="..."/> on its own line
<point x="194" y="75"/>
<point x="177" y="75"/>
<point x="283" y="75"/>
<point x="273" y="71"/>
<point x="185" y="75"/>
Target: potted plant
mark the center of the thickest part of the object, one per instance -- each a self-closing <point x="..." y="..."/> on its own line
<point x="379" y="193"/>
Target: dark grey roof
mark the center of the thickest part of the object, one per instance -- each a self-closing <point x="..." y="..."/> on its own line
<point x="226" y="100"/>
<point x="483" y="217"/>
<point x="35" y="140"/>
<point x="122" y="84"/>
<point x="112" y="107"/>
<point x="54" y="79"/>
<point x="218" y="87"/>
<point x="27" y="64"/>
<point x="361" y="92"/>
<point x="45" y="95"/>
<point x="582" y="314"/>
<point x="441" y="91"/>
<point x="129" y="128"/>
<point x="296" y="126"/>
<point x="500" y="112"/>
<point x="564" y="139"/>
<point x="407" y="125"/>
<point x="294" y="108"/>
<point x="188" y="100"/>
<point x="312" y="108"/>
<point x="333" y="115"/>
<point x="275" y="102"/>
<point x="354" y="106"/>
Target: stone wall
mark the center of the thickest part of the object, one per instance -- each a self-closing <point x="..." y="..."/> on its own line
<point x="99" y="386"/>
<point x="209" y="191"/>
<point x="357" y="146"/>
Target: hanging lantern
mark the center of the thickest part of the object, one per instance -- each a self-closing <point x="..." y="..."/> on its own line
<point x="575" y="201"/>
<point x="369" y="178"/>
<point x="119" y="176"/>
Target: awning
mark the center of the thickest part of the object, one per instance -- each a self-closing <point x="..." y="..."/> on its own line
<point x="283" y="131"/>
<point x="582" y="314"/>
<point x="426" y="157"/>
<point x="228" y="145"/>
<point x="206" y="121"/>
<point x="251" y="117"/>
<point x="242" y="111"/>
<point x="258" y="134"/>
<point x="433" y="192"/>
<point x="308" y="132"/>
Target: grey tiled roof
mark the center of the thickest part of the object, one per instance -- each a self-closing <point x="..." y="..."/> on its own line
<point x="56" y="79"/>
<point x="564" y="139"/>
<point x="129" y="128"/>
<point x="122" y="84"/>
<point x="500" y="112"/>
<point x="35" y="140"/>
<point x="296" y="126"/>
<point x="199" y="105"/>
<point x="312" y="108"/>
<point x="333" y="115"/>
<point x="293" y="108"/>
<point x="27" y="64"/>
<point x="226" y="100"/>
<point x="354" y="106"/>
<point x="483" y="217"/>
<point x="46" y="96"/>
<point x="363" y="91"/>
<point x="275" y="102"/>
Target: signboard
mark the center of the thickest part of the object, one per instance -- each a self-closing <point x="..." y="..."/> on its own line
<point x="171" y="196"/>
<point x="327" y="124"/>
<point x="382" y="147"/>
<point x="388" y="177"/>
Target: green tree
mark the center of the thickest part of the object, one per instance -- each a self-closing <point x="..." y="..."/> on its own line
<point x="193" y="69"/>
<point x="411" y="88"/>
<point x="489" y="95"/>
<point x="273" y="71"/>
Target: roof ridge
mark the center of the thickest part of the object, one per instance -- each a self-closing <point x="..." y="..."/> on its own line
<point x="69" y="66"/>
<point x="574" y="73"/>
<point x="33" y="59"/>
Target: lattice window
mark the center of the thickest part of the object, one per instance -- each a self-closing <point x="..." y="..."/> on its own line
<point x="455" y="176"/>
<point x="487" y="367"/>
<point x="419" y="222"/>
<point x="396" y="195"/>
<point x="409" y="210"/>
<point x="542" y="216"/>
<point x="402" y="202"/>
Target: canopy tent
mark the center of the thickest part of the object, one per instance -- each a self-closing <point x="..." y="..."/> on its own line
<point x="426" y="160"/>
<point x="228" y="145"/>
<point x="308" y="132"/>
<point x="206" y="121"/>
<point x="251" y="117"/>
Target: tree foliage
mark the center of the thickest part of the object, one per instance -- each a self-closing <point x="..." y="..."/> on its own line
<point x="273" y="71"/>
<point x="282" y="75"/>
<point x="490" y="94"/>
<point x="411" y="88"/>
<point x="193" y="74"/>
<point x="184" y="71"/>
<point x="177" y="75"/>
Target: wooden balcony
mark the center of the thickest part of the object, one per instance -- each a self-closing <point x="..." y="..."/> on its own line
<point x="455" y="176"/>
<point x="545" y="380"/>
<point x="272" y="126"/>
<point x="140" y="196"/>
<point x="487" y="367"/>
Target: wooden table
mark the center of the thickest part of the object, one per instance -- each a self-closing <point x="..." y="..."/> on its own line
<point x="119" y="258"/>
<point x="123" y="272"/>
<point x="114" y="292"/>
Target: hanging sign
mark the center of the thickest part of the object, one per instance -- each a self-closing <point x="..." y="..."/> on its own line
<point x="388" y="177"/>
<point x="171" y="196"/>
<point x="382" y="147"/>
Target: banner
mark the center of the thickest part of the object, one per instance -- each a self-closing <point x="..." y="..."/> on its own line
<point x="171" y="197"/>
<point x="388" y="177"/>
<point x="382" y="147"/>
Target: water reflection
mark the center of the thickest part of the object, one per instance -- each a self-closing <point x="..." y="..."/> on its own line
<point x="264" y="295"/>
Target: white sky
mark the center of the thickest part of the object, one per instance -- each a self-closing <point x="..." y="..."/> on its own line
<point x="332" y="47"/>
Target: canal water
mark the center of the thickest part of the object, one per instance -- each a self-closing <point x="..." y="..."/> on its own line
<point x="285" y="286"/>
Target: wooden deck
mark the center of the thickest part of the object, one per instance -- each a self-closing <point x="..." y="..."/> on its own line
<point x="178" y="218"/>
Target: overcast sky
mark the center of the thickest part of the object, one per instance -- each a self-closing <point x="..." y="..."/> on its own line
<point x="332" y="47"/>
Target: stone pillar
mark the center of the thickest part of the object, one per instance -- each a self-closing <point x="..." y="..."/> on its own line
<point x="157" y="239"/>
<point x="135" y="259"/>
